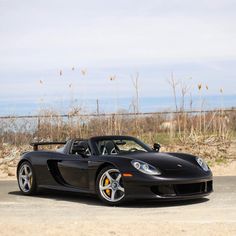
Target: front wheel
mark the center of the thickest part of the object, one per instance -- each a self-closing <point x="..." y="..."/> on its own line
<point x="110" y="187"/>
<point x="26" y="179"/>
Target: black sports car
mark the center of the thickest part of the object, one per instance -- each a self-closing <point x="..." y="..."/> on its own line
<point x="116" y="168"/>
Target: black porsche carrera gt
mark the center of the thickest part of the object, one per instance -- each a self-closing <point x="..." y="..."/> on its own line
<point x="116" y="168"/>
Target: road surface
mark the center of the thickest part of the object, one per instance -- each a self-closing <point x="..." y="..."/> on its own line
<point x="60" y="213"/>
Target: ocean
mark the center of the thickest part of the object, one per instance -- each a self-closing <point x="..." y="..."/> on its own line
<point x="110" y="105"/>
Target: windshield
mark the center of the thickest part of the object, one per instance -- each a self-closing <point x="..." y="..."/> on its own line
<point x="60" y="149"/>
<point x="120" y="146"/>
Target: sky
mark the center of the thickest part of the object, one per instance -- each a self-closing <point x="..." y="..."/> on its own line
<point x="57" y="50"/>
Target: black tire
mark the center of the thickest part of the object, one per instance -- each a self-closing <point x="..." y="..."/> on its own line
<point x="116" y="188"/>
<point x="22" y="178"/>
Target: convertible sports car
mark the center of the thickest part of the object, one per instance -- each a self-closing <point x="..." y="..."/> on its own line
<point x="116" y="168"/>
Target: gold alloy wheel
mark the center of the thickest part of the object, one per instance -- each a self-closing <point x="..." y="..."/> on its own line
<point x="111" y="186"/>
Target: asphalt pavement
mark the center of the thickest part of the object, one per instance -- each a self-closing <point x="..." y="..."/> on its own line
<point x="57" y="213"/>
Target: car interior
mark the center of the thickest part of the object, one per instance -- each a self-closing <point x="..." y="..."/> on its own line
<point x="81" y="147"/>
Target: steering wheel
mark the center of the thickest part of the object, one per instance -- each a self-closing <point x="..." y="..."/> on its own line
<point x="133" y="149"/>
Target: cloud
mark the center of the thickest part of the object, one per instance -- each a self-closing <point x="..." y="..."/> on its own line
<point x="59" y="33"/>
<point x="191" y="38"/>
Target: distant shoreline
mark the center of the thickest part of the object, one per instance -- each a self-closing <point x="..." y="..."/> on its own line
<point x="114" y="105"/>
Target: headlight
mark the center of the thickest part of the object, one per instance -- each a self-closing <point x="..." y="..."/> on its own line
<point x="145" y="168"/>
<point x="202" y="163"/>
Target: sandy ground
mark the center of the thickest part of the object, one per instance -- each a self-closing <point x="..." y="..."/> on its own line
<point x="224" y="169"/>
<point x="60" y="213"/>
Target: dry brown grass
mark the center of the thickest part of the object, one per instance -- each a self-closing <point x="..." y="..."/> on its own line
<point x="176" y="132"/>
<point x="178" y="128"/>
<point x="207" y="134"/>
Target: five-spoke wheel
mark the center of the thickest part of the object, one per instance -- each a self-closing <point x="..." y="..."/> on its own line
<point x="110" y="186"/>
<point x="26" y="178"/>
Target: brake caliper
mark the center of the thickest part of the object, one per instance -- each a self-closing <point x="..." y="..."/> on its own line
<point x="108" y="191"/>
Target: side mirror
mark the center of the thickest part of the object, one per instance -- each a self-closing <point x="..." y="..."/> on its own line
<point x="156" y="147"/>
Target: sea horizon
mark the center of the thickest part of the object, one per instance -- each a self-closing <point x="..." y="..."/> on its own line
<point x="112" y="105"/>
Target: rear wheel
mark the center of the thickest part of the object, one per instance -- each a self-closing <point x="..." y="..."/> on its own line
<point x="110" y="186"/>
<point x="26" y="179"/>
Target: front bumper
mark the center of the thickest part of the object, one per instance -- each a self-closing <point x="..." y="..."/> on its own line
<point x="168" y="188"/>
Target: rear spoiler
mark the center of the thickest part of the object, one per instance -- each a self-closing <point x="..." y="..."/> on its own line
<point x="35" y="145"/>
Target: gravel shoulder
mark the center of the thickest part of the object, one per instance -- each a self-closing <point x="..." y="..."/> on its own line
<point x="62" y="213"/>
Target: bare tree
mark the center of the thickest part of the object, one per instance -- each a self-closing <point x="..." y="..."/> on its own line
<point x="135" y="81"/>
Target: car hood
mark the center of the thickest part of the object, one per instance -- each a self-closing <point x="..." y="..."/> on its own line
<point x="163" y="160"/>
<point x="171" y="164"/>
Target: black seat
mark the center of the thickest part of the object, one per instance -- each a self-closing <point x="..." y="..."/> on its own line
<point x="109" y="148"/>
<point x="81" y="145"/>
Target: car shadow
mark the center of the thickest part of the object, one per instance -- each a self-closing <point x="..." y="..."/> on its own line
<point x="63" y="196"/>
<point x="162" y="203"/>
<point x="93" y="200"/>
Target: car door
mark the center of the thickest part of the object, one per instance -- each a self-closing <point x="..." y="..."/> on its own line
<point x="74" y="171"/>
